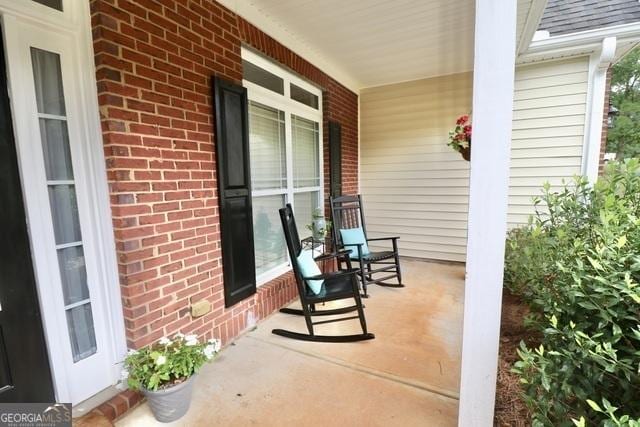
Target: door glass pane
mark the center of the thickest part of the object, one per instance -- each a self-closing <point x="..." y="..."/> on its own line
<point x="55" y="145"/>
<point x="305" y="205"/>
<point x="64" y="210"/>
<point x="306" y="144"/>
<point x="56" y="150"/>
<point x="267" y="147"/>
<point x="83" y="338"/>
<point x="48" y="82"/>
<point x="74" y="274"/>
<point x="270" y="247"/>
<point x="262" y="77"/>
<point x="55" y="4"/>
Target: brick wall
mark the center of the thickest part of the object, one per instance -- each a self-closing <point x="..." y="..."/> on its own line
<point x="605" y="122"/>
<point x="154" y="62"/>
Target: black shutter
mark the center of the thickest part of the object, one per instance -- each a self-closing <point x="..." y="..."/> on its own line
<point x="335" y="159"/>
<point x="234" y="184"/>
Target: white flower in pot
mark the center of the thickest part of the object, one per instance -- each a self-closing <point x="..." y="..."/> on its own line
<point x="165" y="371"/>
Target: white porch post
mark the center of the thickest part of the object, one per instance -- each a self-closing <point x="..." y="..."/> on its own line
<point x="494" y="63"/>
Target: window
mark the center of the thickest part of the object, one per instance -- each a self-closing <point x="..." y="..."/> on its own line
<point x="285" y="135"/>
<point x="54" y="4"/>
<point x="62" y="199"/>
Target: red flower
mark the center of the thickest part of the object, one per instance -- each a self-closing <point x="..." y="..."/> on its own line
<point x="462" y="119"/>
<point x="467" y="129"/>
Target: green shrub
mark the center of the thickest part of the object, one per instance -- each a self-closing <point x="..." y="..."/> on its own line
<point x="577" y="265"/>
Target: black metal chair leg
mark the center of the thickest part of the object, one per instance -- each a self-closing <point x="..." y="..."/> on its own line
<point x="363" y="280"/>
<point x="363" y="321"/>
<point x="307" y="318"/>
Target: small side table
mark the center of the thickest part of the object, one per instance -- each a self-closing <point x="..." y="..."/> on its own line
<point x="317" y="248"/>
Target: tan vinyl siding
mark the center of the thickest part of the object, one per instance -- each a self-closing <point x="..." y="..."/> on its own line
<point x="413" y="185"/>
<point x="416" y="187"/>
<point x="548" y="130"/>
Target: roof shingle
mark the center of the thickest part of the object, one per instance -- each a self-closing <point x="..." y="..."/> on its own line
<point x="572" y="16"/>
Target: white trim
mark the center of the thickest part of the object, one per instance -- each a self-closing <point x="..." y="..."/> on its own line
<point x="582" y="43"/>
<point x="68" y="33"/>
<point x="493" y="87"/>
<point x="269" y="26"/>
<point x="598" y="65"/>
<point x="536" y="10"/>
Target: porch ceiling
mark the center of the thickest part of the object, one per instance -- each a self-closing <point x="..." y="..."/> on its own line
<point x="365" y="43"/>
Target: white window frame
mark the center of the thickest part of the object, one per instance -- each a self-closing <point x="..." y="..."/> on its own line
<point x="290" y="107"/>
<point x="28" y="24"/>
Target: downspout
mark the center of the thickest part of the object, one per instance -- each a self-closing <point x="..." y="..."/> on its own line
<point x="598" y="65"/>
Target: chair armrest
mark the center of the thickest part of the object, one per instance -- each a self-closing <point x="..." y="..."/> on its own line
<point x="383" y="238"/>
<point x="323" y="276"/>
<point x="332" y="255"/>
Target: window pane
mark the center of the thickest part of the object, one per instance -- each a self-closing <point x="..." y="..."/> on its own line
<point x="47" y="77"/>
<point x="55" y="144"/>
<point x="55" y="4"/>
<point x="267" y="147"/>
<point x="262" y="77"/>
<point x="48" y="82"/>
<point x="73" y="274"/>
<point x="80" y="325"/>
<point x="306" y="144"/>
<point x="64" y="210"/>
<point x="268" y="237"/>
<point x="305" y="205"/>
<point x="303" y="96"/>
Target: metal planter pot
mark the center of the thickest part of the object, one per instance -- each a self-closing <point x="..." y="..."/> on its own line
<point x="171" y="403"/>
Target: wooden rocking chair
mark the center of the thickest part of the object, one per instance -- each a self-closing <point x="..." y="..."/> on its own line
<point x="348" y="216"/>
<point x="334" y="286"/>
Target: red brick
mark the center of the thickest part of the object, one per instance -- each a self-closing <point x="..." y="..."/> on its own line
<point x="155" y="61"/>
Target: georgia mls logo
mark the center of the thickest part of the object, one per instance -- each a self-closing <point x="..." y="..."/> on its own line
<point x="35" y="414"/>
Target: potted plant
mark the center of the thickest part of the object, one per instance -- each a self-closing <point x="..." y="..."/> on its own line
<point x="460" y="137"/>
<point x="319" y="225"/>
<point x="165" y="372"/>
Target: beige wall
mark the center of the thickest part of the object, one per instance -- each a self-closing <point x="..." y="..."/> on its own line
<point x="548" y="130"/>
<point x="416" y="187"/>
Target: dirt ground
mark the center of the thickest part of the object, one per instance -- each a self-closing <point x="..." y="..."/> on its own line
<point x="510" y="409"/>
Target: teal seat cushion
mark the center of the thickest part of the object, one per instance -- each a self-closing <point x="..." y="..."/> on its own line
<point x="350" y="239"/>
<point x="308" y="268"/>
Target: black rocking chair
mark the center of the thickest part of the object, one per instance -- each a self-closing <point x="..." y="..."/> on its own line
<point x="347" y="213"/>
<point x="336" y="286"/>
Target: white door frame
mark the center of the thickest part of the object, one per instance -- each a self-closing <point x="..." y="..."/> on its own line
<point x="26" y="24"/>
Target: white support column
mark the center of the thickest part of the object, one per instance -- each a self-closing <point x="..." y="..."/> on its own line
<point x="494" y="64"/>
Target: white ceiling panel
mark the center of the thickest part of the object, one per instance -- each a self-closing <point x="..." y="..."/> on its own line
<point x="372" y="42"/>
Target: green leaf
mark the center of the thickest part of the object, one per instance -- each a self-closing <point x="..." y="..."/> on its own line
<point x="595" y="263"/>
<point x="622" y="240"/>
<point x="594" y="405"/>
<point x="579" y="423"/>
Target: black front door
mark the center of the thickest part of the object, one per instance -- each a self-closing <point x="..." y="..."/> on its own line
<point x="24" y="365"/>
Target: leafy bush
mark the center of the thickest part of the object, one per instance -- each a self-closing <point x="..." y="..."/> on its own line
<point x="577" y="265"/>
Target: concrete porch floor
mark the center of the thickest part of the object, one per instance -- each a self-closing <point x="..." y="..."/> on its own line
<point x="407" y="376"/>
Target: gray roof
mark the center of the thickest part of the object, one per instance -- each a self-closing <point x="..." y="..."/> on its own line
<point x="572" y="16"/>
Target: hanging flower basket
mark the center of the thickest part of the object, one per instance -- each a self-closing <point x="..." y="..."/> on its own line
<point x="466" y="153"/>
<point x="460" y="137"/>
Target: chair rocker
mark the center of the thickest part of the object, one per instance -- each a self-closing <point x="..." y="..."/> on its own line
<point x="348" y="215"/>
<point x="335" y="286"/>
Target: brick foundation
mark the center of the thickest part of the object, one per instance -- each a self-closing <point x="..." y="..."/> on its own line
<point x="154" y="63"/>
